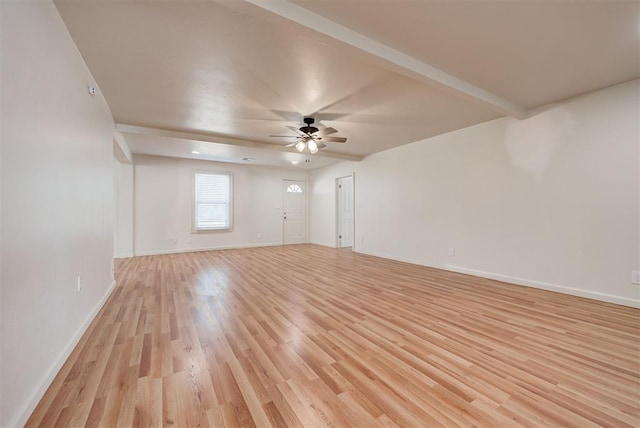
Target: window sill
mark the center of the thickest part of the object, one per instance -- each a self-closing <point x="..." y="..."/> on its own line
<point x="195" y="231"/>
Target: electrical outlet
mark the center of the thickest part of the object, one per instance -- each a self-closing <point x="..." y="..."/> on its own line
<point x="451" y="252"/>
<point x="79" y="283"/>
<point x="635" y="277"/>
<point x="259" y="236"/>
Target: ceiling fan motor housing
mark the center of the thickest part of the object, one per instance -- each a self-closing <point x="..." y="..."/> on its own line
<point x="309" y="129"/>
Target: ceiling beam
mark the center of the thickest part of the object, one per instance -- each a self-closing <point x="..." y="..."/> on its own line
<point x="209" y="138"/>
<point x="399" y="62"/>
<point x="121" y="149"/>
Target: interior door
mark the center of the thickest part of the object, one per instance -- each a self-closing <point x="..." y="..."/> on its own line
<point x="295" y="212"/>
<point x="345" y="211"/>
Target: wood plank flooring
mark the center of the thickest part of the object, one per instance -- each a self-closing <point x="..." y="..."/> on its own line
<point x="311" y="336"/>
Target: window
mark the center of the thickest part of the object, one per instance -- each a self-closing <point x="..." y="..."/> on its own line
<point x="212" y="198"/>
<point x="294" y="188"/>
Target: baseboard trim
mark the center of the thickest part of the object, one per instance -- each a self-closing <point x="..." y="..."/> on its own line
<point x="123" y="256"/>
<point x="194" y="250"/>
<point x="398" y="259"/>
<point x="21" y="417"/>
<point x="594" y="295"/>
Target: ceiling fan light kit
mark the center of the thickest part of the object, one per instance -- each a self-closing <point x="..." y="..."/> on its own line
<point x="312" y="146"/>
<point x="311" y="138"/>
<point x="300" y="146"/>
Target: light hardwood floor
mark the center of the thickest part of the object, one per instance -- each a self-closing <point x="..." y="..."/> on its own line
<point x="311" y="336"/>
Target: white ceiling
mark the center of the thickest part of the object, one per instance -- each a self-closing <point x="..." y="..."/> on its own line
<point x="220" y="77"/>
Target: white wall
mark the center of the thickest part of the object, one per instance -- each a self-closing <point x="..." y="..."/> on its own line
<point x="123" y="182"/>
<point x="551" y="201"/>
<point x="56" y="202"/>
<point x="163" y="191"/>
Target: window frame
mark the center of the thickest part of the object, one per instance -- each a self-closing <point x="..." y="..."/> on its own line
<point x="194" y="203"/>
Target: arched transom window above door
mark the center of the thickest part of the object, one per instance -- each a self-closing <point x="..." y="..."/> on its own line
<point x="294" y="188"/>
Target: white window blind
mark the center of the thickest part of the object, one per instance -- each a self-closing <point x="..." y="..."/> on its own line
<point x="212" y="201"/>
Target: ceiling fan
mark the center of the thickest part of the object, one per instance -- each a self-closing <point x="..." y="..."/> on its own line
<point x="311" y="138"/>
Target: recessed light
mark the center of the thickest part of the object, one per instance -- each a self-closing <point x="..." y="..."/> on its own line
<point x="294" y="162"/>
<point x="248" y="159"/>
<point x="195" y="152"/>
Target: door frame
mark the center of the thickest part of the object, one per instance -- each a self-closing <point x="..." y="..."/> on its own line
<point x="306" y="206"/>
<point x="337" y="209"/>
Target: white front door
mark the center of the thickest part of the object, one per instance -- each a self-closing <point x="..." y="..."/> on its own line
<point x="295" y="212"/>
<point x="345" y="211"/>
